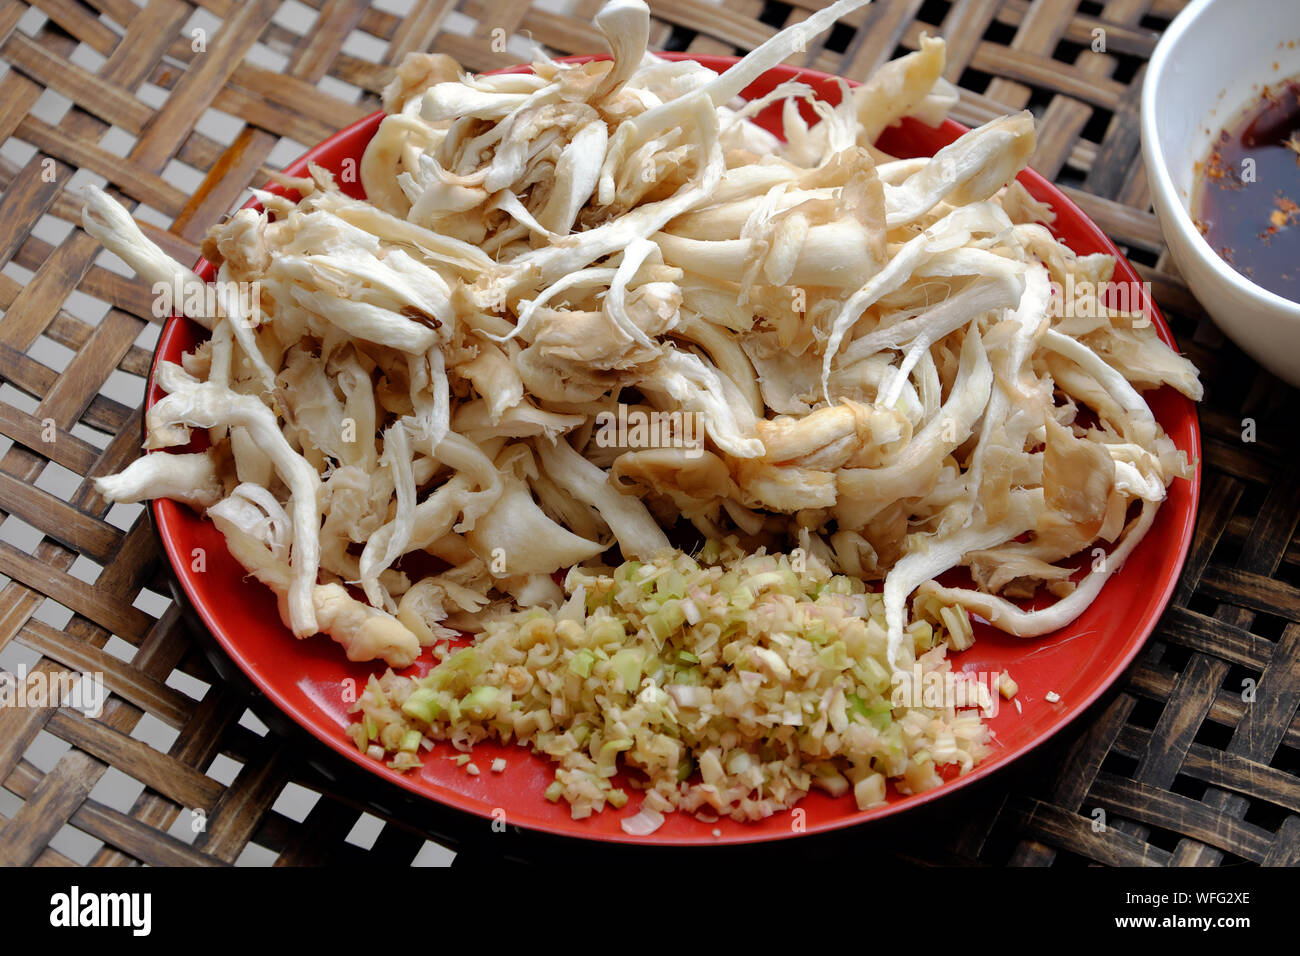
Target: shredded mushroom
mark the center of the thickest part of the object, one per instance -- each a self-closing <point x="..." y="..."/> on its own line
<point x="831" y="345"/>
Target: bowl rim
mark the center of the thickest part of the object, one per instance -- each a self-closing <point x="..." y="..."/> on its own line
<point x="1178" y="217"/>
<point x="165" y="510"/>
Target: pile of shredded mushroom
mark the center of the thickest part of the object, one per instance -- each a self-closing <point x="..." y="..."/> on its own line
<point x="869" y="343"/>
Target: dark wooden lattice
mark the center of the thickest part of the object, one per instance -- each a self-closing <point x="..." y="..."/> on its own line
<point x="1185" y="769"/>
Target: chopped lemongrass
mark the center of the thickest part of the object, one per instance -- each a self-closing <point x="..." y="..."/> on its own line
<point x="479" y="702"/>
<point x="422" y="704"/>
<point x="581" y="663"/>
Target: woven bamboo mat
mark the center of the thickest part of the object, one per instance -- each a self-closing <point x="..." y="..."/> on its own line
<point x="180" y="106"/>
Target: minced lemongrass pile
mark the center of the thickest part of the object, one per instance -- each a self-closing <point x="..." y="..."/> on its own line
<point x="730" y="683"/>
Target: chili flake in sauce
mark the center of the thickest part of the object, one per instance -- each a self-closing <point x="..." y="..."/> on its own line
<point x="1248" y="190"/>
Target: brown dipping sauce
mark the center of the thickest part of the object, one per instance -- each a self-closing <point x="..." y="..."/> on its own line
<point x="1251" y="217"/>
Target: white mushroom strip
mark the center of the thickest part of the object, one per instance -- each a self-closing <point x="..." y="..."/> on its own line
<point x="397" y="281"/>
<point x="423" y="609"/>
<point x="113" y="226"/>
<point x="626" y="26"/>
<point x="346" y="501"/>
<point x="946" y="552"/>
<point x="554" y="261"/>
<point x="697" y="388"/>
<point x="494" y="375"/>
<point x="691" y="479"/>
<point x="529" y="308"/>
<point x="899" y="330"/>
<point x="474" y="462"/>
<point x="365" y="321"/>
<point x="865" y="492"/>
<point x="475" y="421"/>
<point x="454" y="100"/>
<point x="516" y="535"/>
<point x="191" y="478"/>
<point x="1012" y="619"/>
<point x="636" y="253"/>
<point x="430" y="399"/>
<point x="920" y="332"/>
<point x="970" y="169"/>
<point x="357" y="429"/>
<point x="241" y="324"/>
<point x="436" y="515"/>
<point x="750" y="67"/>
<point x="726" y="354"/>
<point x="576" y="174"/>
<point x="119" y="233"/>
<point x="1135" y="409"/>
<point x="365" y="633"/>
<point x="898" y="88"/>
<point x="637" y="533"/>
<point x="310" y="406"/>
<point x="206" y="406"/>
<point x="390" y="542"/>
<point x="460" y="255"/>
<point x="579" y="517"/>
<point x="947" y="235"/>
<point x="835" y="254"/>
<point x="1009" y="391"/>
<point x="725" y="220"/>
<point x="222" y="353"/>
<point x="257" y="513"/>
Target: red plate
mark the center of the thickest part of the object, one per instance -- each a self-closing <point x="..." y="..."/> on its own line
<point x="306" y="678"/>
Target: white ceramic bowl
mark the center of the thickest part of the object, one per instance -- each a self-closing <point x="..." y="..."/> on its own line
<point x="1215" y="59"/>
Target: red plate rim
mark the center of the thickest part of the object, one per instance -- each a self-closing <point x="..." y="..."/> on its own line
<point x="170" y="519"/>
